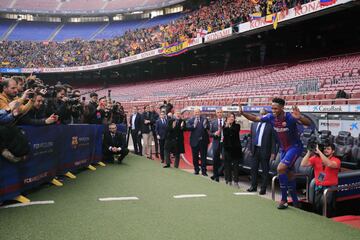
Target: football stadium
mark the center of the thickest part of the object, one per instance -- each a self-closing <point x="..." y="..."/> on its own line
<point x="180" y="119"/>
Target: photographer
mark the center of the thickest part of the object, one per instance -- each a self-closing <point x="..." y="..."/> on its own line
<point x="99" y="116"/>
<point x="37" y="116"/>
<point x="9" y="92"/>
<point x="13" y="143"/>
<point x="118" y="115"/>
<point x="166" y="107"/>
<point x="60" y="106"/>
<point x="77" y="108"/>
<point x="326" y="168"/>
<point x="91" y="107"/>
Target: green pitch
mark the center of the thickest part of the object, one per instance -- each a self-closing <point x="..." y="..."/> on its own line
<point x="78" y="214"/>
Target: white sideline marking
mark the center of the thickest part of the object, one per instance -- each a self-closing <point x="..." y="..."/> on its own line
<point x="243" y="193"/>
<point x="117" y="199"/>
<point x="189" y="196"/>
<point x="29" y="204"/>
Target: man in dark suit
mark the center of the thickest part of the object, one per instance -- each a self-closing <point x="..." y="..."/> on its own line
<point x="114" y="145"/>
<point x="155" y="117"/>
<point x="160" y="129"/>
<point x="199" y="140"/>
<point x="216" y="132"/>
<point x="135" y="130"/>
<point x="263" y="149"/>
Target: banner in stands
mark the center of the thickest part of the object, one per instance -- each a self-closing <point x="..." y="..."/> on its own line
<point x="140" y="56"/>
<point x="10" y="70"/>
<point x="335" y="126"/>
<point x="292" y="13"/>
<point x="227" y="32"/>
<point x="54" y="151"/>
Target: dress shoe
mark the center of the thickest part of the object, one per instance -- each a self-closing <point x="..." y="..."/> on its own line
<point x="251" y="189"/>
<point x="204" y="174"/>
<point x="212" y="177"/>
<point x="262" y="192"/>
<point x="196" y="173"/>
<point x="282" y="205"/>
<point x="166" y="166"/>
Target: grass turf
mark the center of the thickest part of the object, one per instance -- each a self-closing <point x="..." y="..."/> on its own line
<point x="77" y="213"/>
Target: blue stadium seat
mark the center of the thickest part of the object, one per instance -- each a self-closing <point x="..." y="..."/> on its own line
<point x="33" y="31"/>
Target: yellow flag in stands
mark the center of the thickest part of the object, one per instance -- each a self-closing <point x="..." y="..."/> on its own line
<point x="276" y="20"/>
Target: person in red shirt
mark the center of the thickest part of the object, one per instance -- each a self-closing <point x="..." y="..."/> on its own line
<point x="326" y="168"/>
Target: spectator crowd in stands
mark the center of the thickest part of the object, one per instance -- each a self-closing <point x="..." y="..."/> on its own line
<point x="217" y="16"/>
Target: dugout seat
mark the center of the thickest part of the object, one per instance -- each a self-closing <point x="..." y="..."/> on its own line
<point x="343" y="143"/>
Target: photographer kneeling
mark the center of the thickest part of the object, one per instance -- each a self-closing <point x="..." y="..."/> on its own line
<point x="326" y="168"/>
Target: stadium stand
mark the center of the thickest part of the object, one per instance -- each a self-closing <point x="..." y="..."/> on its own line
<point x="77" y="30"/>
<point x="229" y="87"/>
<point x="143" y="39"/>
<point x="33" y="31"/>
<point x="81" y="5"/>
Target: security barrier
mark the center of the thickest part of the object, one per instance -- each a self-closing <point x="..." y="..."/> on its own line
<point x="55" y="150"/>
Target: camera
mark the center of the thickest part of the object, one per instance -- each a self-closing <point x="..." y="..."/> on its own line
<point x="316" y="141"/>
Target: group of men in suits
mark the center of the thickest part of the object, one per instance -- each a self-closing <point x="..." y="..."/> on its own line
<point x="263" y="146"/>
<point x="166" y="130"/>
<point x="142" y="126"/>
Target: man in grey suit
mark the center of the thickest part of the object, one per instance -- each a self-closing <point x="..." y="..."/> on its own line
<point x="199" y="140"/>
<point x="263" y="149"/>
<point x="216" y="132"/>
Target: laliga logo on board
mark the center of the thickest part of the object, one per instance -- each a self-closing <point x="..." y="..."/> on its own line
<point x="74" y="142"/>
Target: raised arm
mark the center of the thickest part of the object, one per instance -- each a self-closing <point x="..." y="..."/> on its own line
<point x="249" y="116"/>
<point x="298" y="116"/>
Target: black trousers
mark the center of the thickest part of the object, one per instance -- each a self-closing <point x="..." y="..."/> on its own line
<point x="162" y="145"/>
<point x="137" y="142"/>
<point x="177" y="160"/>
<point x="231" y="166"/>
<point x="217" y="160"/>
<point x="109" y="157"/>
<point x="157" y="143"/>
<point x="319" y="200"/>
<point x="201" y="149"/>
<point x="259" y="158"/>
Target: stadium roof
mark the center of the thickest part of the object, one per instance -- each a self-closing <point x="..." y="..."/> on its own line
<point x="82" y="6"/>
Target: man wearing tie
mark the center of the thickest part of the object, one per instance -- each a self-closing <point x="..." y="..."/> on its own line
<point x="216" y="132"/>
<point x="147" y="135"/>
<point x="114" y="145"/>
<point x="135" y="130"/>
<point x="263" y="149"/>
<point x="199" y="140"/>
<point x="160" y="129"/>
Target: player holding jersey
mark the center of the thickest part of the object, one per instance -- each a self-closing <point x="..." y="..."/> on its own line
<point x="285" y="126"/>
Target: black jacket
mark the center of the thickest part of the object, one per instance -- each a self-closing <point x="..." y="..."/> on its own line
<point x="174" y="137"/>
<point x="147" y="127"/>
<point x="268" y="141"/>
<point x="35" y="117"/>
<point x="117" y="141"/>
<point x="137" y="124"/>
<point x="232" y="139"/>
<point x="60" y="108"/>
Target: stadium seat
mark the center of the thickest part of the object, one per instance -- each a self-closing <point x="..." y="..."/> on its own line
<point x="343" y="144"/>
